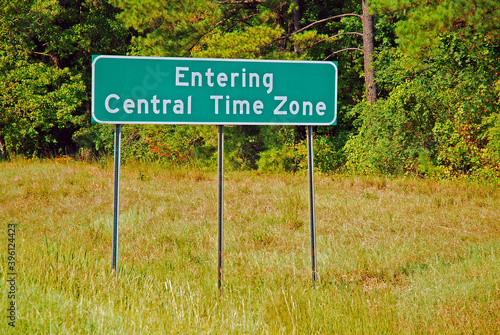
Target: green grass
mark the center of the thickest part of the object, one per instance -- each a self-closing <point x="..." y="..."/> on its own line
<point x="395" y="256"/>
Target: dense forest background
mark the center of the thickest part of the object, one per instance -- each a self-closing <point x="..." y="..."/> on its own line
<point x="419" y="89"/>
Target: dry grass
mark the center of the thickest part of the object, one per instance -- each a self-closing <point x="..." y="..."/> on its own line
<point x="394" y="255"/>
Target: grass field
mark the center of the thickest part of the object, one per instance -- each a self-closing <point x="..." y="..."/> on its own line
<point x="395" y="256"/>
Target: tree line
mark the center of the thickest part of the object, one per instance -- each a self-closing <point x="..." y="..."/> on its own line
<point x="419" y="89"/>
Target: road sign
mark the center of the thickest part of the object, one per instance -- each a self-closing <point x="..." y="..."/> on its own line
<point x="155" y="90"/>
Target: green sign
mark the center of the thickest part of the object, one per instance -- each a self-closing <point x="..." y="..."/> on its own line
<point x="157" y="90"/>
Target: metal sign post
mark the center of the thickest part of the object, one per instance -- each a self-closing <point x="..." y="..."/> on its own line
<point x="310" y="155"/>
<point x="116" y="195"/>
<point x="221" y="207"/>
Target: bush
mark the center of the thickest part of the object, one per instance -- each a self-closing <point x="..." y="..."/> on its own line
<point x="440" y="110"/>
<point x="38" y="108"/>
<point x="294" y="158"/>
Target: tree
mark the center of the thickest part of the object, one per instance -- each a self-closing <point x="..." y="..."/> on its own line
<point x="368" y="52"/>
<point x="45" y="52"/>
<point x="367" y="34"/>
<point x="420" y="23"/>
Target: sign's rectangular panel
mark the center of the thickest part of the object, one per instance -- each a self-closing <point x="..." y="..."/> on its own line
<point x="154" y="90"/>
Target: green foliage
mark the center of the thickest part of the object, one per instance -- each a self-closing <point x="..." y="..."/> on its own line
<point x="45" y="51"/>
<point x="421" y="23"/>
<point x="243" y="145"/>
<point x="427" y="168"/>
<point x="436" y="66"/>
<point x="166" y="28"/>
<point x="170" y="144"/>
<point x="37" y="104"/>
<point x="54" y="40"/>
<point x="491" y="152"/>
<point x="96" y="138"/>
<point x="440" y="108"/>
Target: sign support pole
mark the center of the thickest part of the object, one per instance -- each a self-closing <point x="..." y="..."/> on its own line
<point x="116" y="195"/>
<point x="221" y="207"/>
<point x="310" y="154"/>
